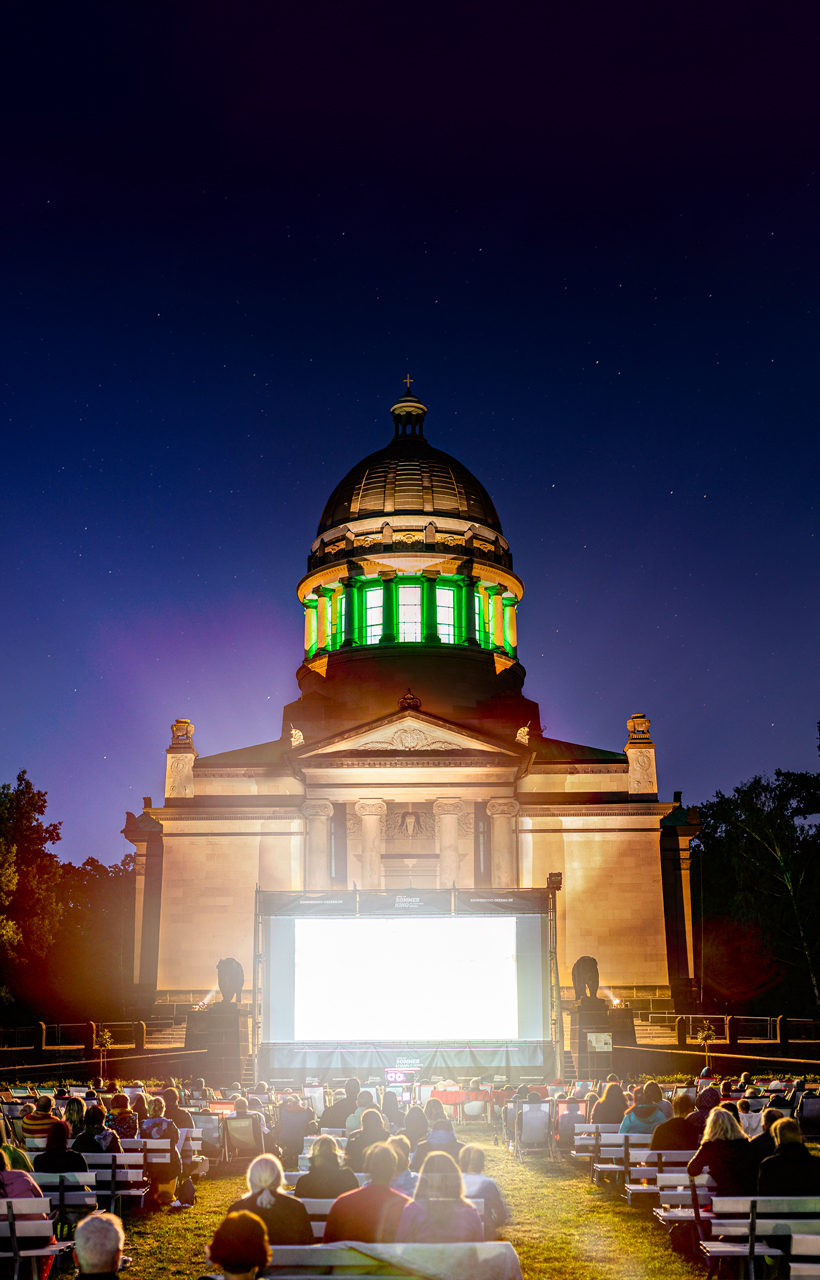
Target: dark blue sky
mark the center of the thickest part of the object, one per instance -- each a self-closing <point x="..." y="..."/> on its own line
<point x="229" y="233"/>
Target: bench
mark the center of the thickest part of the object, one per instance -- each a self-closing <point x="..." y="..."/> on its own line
<point x="120" y="1175"/>
<point x="318" y="1210"/>
<point x="74" y="1191"/>
<point x="754" y="1220"/>
<point x="805" y="1247"/>
<point x="612" y="1154"/>
<point x="641" y="1172"/>
<point x="28" y="1239"/>
<point x="585" y="1136"/>
<point x="677" y="1193"/>
<point x="493" y="1260"/>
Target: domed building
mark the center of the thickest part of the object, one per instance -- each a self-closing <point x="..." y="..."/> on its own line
<point x="412" y="760"/>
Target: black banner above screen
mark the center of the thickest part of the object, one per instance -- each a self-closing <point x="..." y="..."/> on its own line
<point x="433" y="902"/>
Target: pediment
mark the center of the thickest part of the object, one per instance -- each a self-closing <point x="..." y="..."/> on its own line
<point x="409" y="733"/>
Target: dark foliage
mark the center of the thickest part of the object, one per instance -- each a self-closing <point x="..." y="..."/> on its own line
<point x="756" y="896"/>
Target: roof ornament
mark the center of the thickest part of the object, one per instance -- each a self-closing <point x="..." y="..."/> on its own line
<point x="523" y="734"/>
<point x="297" y="738"/>
<point x="409" y="702"/>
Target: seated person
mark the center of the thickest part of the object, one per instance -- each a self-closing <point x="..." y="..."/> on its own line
<point x="181" y="1118"/>
<point x="285" y="1217"/>
<point x="676" y="1134"/>
<point x="326" y="1179"/>
<point x="439" y="1212"/>
<point x="364" y="1102"/>
<point x="37" y="1123"/>
<point x="390" y="1110"/>
<point x="240" y="1247"/>
<point x="415" y="1128"/>
<point x="58" y="1157"/>
<point x="162" y="1174"/>
<point x="16" y="1157"/>
<point x="200" y="1093"/>
<point x="792" y="1170"/>
<point x="567" y="1123"/>
<point x="371" y="1132"/>
<point x="652" y="1092"/>
<point x="343" y="1105"/>
<point x="121" y="1118"/>
<point x="726" y="1152"/>
<point x="642" y="1116"/>
<point x="295" y="1121"/>
<point x="95" y="1137"/>
<point x="98" y="1244"/>
<point x="404" y="1180"/>
<point x="372" y="1213"/>
<point x="610" y="1107"/>
<point x="750" y="1121"/>
<point x="478" y="1096"/>
<point x="477" y="1186"/>
<point x="440" y="1138"/>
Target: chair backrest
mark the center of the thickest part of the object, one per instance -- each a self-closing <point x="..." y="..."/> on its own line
<point x="25" y="1206"/>
<point x="242" y="1135"/>
<point x="317" y="1211"/>
<point x="35" y="1144"/>
<point x="209" y="1126"/>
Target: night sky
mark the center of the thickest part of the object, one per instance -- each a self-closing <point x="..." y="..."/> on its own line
<point x="230" y="231"/>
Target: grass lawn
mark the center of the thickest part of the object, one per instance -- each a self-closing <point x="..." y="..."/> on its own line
<point x="562" y="1226"/>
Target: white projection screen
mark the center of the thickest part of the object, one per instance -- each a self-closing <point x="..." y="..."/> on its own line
<point x="396" y="979"/>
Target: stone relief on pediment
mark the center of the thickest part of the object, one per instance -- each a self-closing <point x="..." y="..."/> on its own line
<point x="409" y="738"/>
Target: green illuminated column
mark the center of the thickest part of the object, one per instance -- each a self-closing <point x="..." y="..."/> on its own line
<point x="496" y="619"/>
<point x="510" y="626"/>
<point x="311" y="606"/>
<point x="388" y="608"/>
<point x="429" y="613"/>
<point x="323" y="632"/>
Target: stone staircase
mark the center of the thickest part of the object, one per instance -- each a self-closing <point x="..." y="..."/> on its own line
<point x="165" y="1034"/>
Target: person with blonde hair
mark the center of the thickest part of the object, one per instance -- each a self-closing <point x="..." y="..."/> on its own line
<point x="726" y="1153"/>
<point x="372" y="1213"/>
<point x="98" y="1244"/>
<point x="477" y="1186"/>
<point x="792" y="1170"/>
<point x="285" y="1217"/>
<point x="163" y="1175"/>
<point x="240" y="1246"/>
<point x="404" y="1179"/>
<point x="439" y="1212"/>
<point x="74" y="1116"/>
<point x="326" y="1179"/>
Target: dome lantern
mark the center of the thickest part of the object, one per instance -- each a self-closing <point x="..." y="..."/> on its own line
<point x="408" y="416"/>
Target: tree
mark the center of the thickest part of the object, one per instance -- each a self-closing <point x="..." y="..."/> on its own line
<point x="9" y="931"/>
<point x="94" y="975"/>
<point x="760" y="862"/>
<point x="33" y="905"/>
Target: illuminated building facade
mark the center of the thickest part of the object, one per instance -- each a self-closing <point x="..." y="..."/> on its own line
<point x="412" y="759"/>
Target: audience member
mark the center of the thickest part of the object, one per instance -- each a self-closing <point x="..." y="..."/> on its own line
<point x="652" y="1092"/>
<point x="285" y="1217"/>
<point x="567" y="1123"/>
<point x="74" y="1116"/>
<point x="200" y="1092"/>
<point x="162" y="1175"/>
<point x="16" y="1157"/>
<point x="750" y="1121"/>
<point x="262" y="1136"/>
<point x="139" y="1102"/>
<point x="37" y="1123"/>
<point x="792" y="1170"/>
<point x="404" y="1179"/>
<point x="326" y="1178"/>
<point x="295" y="1121"/>
<point x="439" y="1213"/>
<point x="725" y="1152"/>
<point x="181" y="1118"/>
<point x="763" y="1145"/>
<point x="343" y="1105"/>
<point x="415" y="1126"/>
<point x="372" y="1131"/>
<point x="58" y="1157"/>
<point x="372" y="1213"/>
<point x="95" y="1137"/>
<point x="441" y="1138"/>
<point x="364" y="1101"/>
<point x="610" y="1108"/>
<point x="705" y="1101"/>
<point x="641" y="1117"/>
<point x="390" y="1109"/>
<point x="240" y="1246"/>
<point x="98" y="1244"/>
<point x="434" y="1109"/>
<point x="477" y="1186"/>
<point x="676" y="1134"/>
<point x="730" y="1105"/>
<point x="121" y="1118"/>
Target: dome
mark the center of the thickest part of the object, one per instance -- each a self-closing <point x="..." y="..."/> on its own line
<point x="409" y="477"/>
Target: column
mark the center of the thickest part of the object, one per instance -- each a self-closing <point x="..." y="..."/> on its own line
<point x="448" y="813"/>
<point x="469" y="610"/>
<point x="371" y="813"/>
<point x="429" y="612"/>
<point x="510" y="627"/>
<point x="311" y="605"/>
<point x="323" y="627"/>
<point x="388" y="608"/>
<point x="496" y="615"/>
<point x="350" y="607"/>
<point x="502" y="813"/>
<point x="317" y="814"/>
